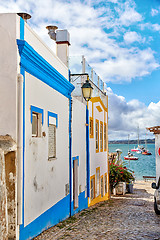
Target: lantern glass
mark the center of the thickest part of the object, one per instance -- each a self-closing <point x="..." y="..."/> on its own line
<point x="87" y="90"/>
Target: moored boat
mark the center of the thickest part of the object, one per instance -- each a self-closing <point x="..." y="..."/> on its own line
<point x="130" y="156"/>
<point x="137" y="150"/>
<point x="146" y="152"/>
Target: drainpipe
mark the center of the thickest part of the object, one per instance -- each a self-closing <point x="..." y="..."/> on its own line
<point x="20" y="142"/>
<point x="87" y="151"/>
<point x="70" y="153"/>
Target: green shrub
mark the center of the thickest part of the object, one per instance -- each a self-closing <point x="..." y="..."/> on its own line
<point x="119" y="173"/>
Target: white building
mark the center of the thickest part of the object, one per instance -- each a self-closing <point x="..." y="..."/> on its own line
<point x="35" y="104"/>
<point x="97" y="128"/>
<point x="54" y="149"/>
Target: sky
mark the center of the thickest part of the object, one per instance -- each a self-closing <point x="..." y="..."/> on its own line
<point x="121" y="41"/>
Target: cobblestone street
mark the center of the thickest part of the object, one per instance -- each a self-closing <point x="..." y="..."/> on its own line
<point x="123" y="217"/>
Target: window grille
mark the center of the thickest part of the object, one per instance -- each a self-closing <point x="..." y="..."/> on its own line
<point x="52" y="141"/>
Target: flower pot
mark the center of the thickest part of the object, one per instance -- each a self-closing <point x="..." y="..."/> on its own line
<point x="130" y="188"/>
<point x="120" y="189"/>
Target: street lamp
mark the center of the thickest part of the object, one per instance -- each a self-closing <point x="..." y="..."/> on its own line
<point x="87" y="90"/>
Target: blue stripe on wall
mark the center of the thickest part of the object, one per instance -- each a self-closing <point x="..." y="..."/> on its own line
<point x="21" y="28"/>
<point x="70" y="153"/>
<point x="36" y="65"/>
<point x="87" y="152"/>
<point x="51" y="217"/>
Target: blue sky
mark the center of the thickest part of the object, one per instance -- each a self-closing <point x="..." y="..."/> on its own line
<point x="121" y="41"/>
<point x="146" y="88"/>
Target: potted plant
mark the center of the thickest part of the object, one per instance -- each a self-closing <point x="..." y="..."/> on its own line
<point x="119" y="174"/>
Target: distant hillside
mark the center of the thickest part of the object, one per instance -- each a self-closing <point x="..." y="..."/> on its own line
<point x="142" y="141"/>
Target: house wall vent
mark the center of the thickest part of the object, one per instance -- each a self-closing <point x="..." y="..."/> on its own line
<point x="25" y="16"/>
<point x="52" y="31"/>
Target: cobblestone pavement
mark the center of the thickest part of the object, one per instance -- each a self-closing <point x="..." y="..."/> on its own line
<point x="123" y="217"/>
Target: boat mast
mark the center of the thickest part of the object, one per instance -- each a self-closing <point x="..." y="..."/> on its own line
<point x="145" y="142"/>
<point x="138" y="136"/>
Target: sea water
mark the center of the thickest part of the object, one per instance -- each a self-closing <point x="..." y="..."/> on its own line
<point x="144" y="166"/>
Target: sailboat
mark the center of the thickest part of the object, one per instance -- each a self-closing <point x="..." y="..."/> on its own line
<point x="130" y="155"/>
<point x="145" y="151"/>
<point x="139" y="148"/>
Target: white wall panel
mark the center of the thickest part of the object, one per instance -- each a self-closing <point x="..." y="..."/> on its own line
<point x="45" y="180"/>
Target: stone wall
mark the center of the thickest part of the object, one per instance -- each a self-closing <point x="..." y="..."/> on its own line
<point x="8" y="169"/>
<point x="3" y="199"/>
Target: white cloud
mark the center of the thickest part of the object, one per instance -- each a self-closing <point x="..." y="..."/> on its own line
<point x="150" y="26"/>
<point x="125" y="117"/>
<point x="129" y="17"/>
<point x="130" y="37"/>
<point x="154" y="12"/>
<point x="128" y="64"/>
<point x="86" y="25"/>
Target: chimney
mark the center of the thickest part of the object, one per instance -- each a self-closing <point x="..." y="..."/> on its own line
<point x="62" y="38"/>
<point x="25" y="16"/>
<point x="63" y="42"/>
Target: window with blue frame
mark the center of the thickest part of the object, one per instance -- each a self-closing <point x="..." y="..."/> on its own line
<point x="37" y="121"/>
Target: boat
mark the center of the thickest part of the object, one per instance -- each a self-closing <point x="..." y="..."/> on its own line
<point x="139" y="148"/>
<point x="145" y="151"/>
<point x="130" y="156"/>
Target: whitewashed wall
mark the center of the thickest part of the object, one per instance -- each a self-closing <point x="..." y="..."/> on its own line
<point x="79" y="138"/>
<point x="45" y="180"/>
<point x="8" y="73"/>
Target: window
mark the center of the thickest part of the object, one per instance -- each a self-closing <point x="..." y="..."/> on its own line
<point x="106" y="183"/>
<point x="91" y="127"/>
<point x="105" y="137"/>
<point x="36" y="124"/>
<point x="97" y="182"/>
<point x="92" y="187"/>
<point x="36" y="121"/>
<point x="102" y="186"/>
<point x="52" y="141"/>
<point x="101" y="136"/>
<point x="52" y="129"/>
<point x="97" y="135"/>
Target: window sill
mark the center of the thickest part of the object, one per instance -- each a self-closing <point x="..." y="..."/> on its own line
<point x="52" y="158"/>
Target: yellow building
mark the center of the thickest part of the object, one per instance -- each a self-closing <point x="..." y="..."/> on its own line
<point x="98" y="131"/>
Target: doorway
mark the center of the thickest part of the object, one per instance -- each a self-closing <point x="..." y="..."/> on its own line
<point x="75" y="182"/>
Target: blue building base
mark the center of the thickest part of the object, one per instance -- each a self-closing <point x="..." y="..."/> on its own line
<point x="83" y="203"/>
<point x="51" y="217"/>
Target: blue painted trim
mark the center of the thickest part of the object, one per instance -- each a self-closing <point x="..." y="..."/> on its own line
<point x="49" y="218"/>
<point x="37" y="110"/>
<point x="82" y="203"/>
<point x="69" y="73"/>
<point x="70" y="154"/>
<point x="54" y="115"/>
<point x="87" y="152"/>
<point x="75" y="158"/>
<point x="36" y="65"/>
<point x="22" y="24"/>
